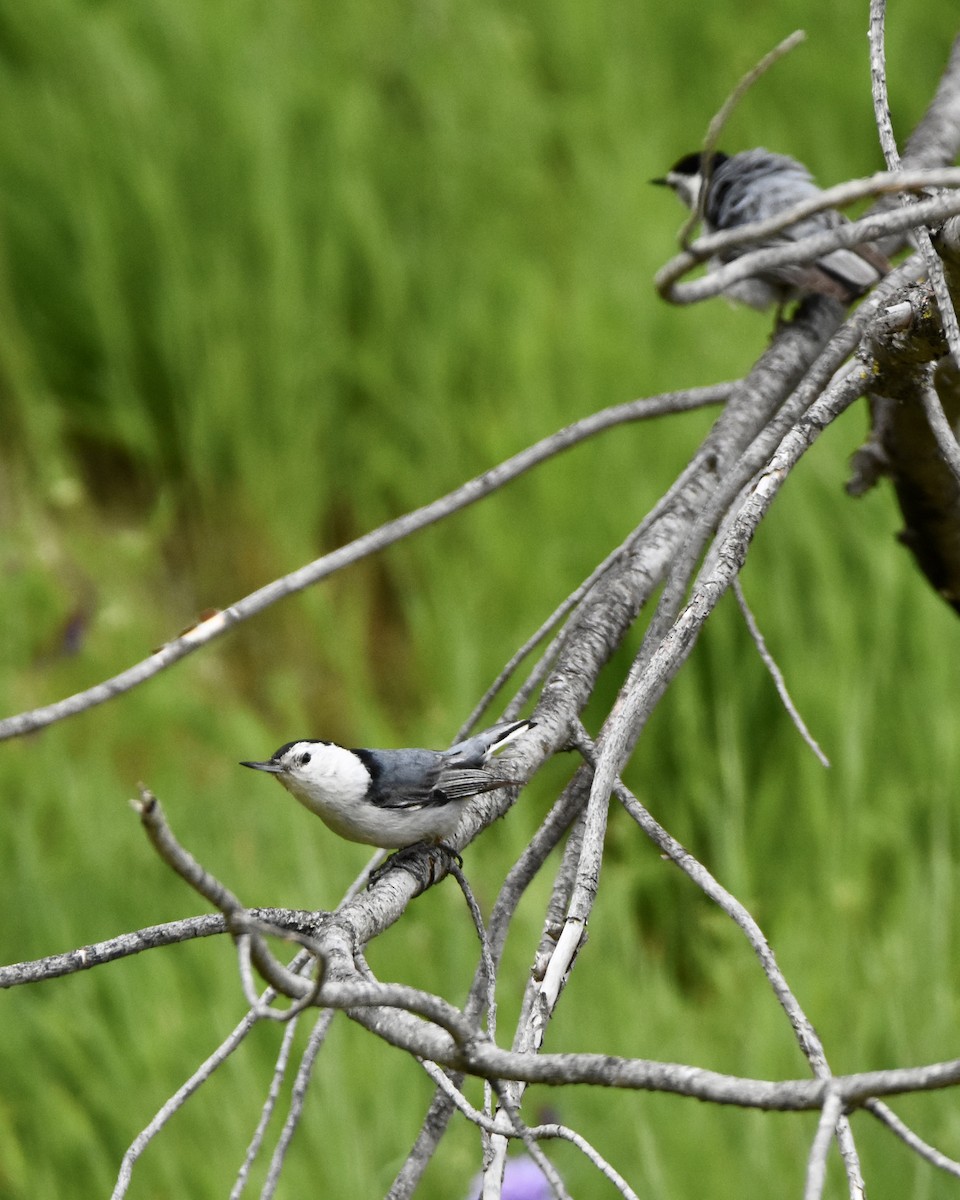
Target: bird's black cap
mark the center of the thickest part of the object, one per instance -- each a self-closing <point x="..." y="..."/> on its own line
<point x="692" y="164"/>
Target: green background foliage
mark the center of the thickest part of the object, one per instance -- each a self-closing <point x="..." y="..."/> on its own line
<point x="271" y="274"/>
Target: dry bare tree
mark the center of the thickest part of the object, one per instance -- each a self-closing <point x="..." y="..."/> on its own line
<point x="901" y="350"/>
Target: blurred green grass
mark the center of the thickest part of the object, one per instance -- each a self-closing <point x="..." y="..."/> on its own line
<point x="271" y="275"/>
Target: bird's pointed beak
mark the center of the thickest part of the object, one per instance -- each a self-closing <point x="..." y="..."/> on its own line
<point x="661" y="182"/>
<point x="272" y="768"/>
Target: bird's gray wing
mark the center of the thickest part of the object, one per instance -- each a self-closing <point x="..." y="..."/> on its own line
<point x="402" y="778"/>
<point x="461" y="782"/>
<point x="457" y="784"/>
<point x="412" y="779"/>
<point x="844" y="273"/>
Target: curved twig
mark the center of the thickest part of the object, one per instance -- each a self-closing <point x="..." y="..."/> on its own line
<point x="723" y="115"/>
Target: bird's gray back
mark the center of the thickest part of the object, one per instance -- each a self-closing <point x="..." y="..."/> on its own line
<point x="399" y="777"/>
<point x="755" y="184"/>
<point x="407" y="778"/>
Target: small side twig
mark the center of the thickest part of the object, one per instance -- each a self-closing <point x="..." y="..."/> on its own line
<point x="300" y="1084"/>
<point x="266" y="1112"/>
<point x="544" y="1132"/>
<point x="486" y="958"/>
<point x="817" y="1161"/>
<point x="885" y="1114"/>
<point x="575" y="599"/>
<point x="776" y="674"/>
<point x="244" y="942"/>
<point x="486" y="965"/>
<point x="583" y="593"/>
<point x="940" y="427"/>
<point x="177" y="1101"/>
<point x="726" y="110"/>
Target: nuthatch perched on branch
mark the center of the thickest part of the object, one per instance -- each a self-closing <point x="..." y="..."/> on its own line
<point x="752" y="186"/>
<point x="390" y="798"/>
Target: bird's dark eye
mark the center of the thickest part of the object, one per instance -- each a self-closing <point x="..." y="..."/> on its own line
<point x="304" y="758"/>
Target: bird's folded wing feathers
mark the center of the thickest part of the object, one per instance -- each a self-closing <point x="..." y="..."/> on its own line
<point x="408" y="797"/>
<point x="457" y="784"/>
<point x="462" y="782"/>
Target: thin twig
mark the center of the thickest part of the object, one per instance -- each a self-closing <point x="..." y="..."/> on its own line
<point x="931" y="1154"/>
<point x="486" y="958"/>
<point x="719" y="121"/>
<point x="817" y="1162"/>
<point x="176" y="1102"/>
<point x="486" y="966"/>
<point x="806" y="1035"/>
<point x="776" y="674"/>
<point x="244" y="955"/>
<point x="575" y="599"/>
<point x="878" y="78"/>
<point x="720" y="118"/>
<point x="297" y="1099"/>
<point x="562" y="610"/>
<point x="547" y="1168"/>
<point x="940" y="427"/>
<point x="576" y="1139"/>
<point x="172" y="933"/>
<point x="266" y="1112"/>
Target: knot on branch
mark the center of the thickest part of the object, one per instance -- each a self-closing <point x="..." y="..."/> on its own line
<point x="908" y="332"/>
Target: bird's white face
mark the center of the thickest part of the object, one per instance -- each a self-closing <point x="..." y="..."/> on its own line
<point x="321" y="775"/>
<point x="687" y="187"/>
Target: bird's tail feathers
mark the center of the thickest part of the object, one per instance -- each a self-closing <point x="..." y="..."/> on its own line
<point x="474" y="751"/>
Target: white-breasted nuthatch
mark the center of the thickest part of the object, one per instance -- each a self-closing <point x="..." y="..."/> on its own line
<point x="390" y="798"/>
<point x="752" y="186"/>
